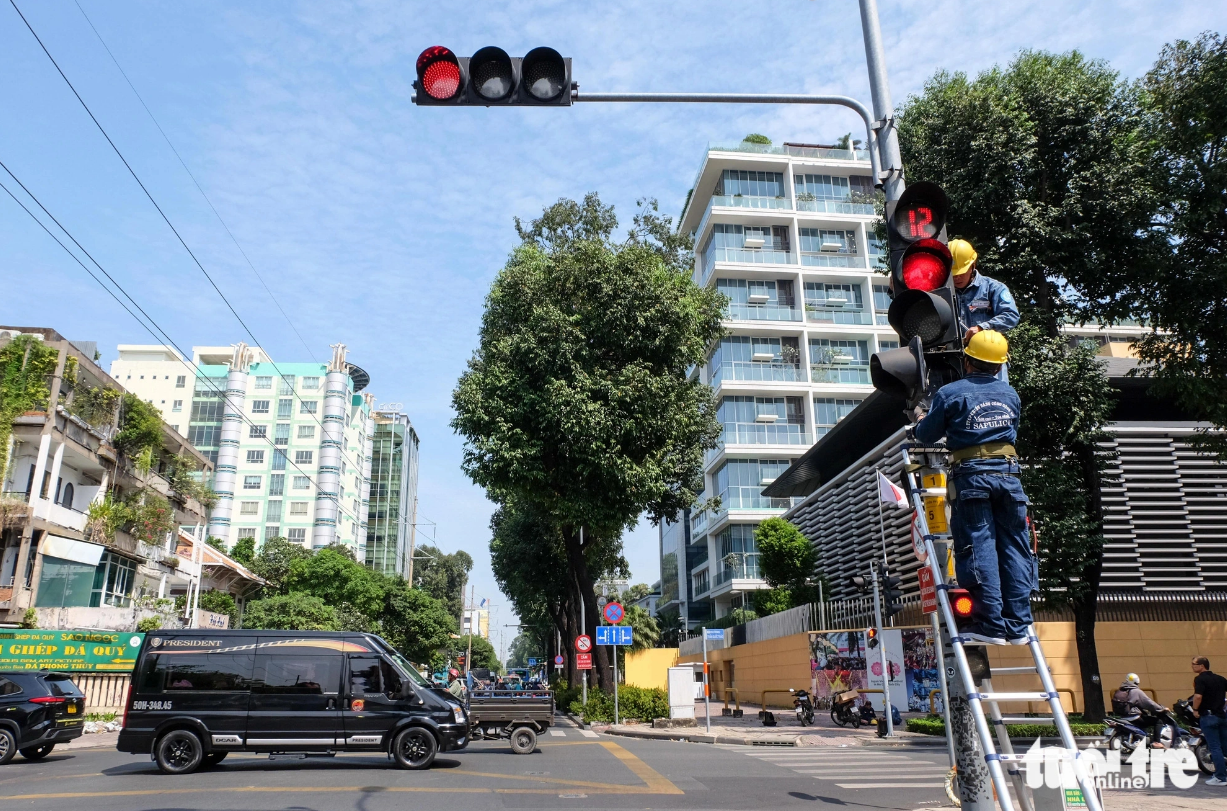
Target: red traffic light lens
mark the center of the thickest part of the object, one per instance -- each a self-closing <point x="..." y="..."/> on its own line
<point x="962" y="605"/>
<point x="544" y="74"/>
<point x="490" y="74"/>
<point x="926" y="265"/>
<point x="438" y="73"/>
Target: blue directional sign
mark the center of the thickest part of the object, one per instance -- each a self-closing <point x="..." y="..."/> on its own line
<point x="714" y="633"/>
<point x="533" y="662"/>
<point x="614" y="635"/>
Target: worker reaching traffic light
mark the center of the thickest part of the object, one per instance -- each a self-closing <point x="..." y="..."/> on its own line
<point x="983" y="303"/>
<point x="978" y="415"/>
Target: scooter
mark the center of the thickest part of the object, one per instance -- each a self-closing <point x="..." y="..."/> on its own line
<point x="844" y="711"/>
<point x="803" y="706"/>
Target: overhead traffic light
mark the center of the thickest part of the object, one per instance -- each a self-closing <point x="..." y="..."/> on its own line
<point x="892" y="595"/>
<point x="922" y="308"/>
<point x="488" y="78"/>
<point x="861" y="584"/>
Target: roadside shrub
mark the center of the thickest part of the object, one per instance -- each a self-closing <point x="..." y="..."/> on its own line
<point x="149" y="624"/>
<point x="934" y="725"/>
<point x="634" y="703"/>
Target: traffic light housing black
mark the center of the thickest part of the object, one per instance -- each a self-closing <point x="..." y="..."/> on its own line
<point x="901" y="372"/>
<point x="490" y="78"/>
<point x="871" y="636"/>
<point x="961" y="606"/>
<point x="861" y="584"/>
<point x="892" y="596"/>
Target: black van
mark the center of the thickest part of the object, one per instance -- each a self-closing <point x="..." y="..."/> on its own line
<point x="198" y="695"/>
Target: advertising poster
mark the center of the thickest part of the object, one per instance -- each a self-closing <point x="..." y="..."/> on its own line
<point x="892" y="640"/>
<point x="837" y="663"/>
<point x="920" y="667"/>
<point x="73" y="651"/>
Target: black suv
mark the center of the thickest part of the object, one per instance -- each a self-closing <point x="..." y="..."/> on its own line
<point x="198" y="695"/>
<point x="38" y="709"/>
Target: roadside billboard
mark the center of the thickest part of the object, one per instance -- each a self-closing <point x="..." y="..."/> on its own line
<point x="74" y="651"/>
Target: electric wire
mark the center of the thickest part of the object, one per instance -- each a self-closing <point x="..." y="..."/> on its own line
<point x="255" y="341"/>
<point x="198" y="374"/>
<point x="195" y="182"/>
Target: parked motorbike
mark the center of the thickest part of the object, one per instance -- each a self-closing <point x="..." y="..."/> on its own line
<point x="804" y="707"/>
<point x="844" y="711"/>
<point x="1183" y="710"/>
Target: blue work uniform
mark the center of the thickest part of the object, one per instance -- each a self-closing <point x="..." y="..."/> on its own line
<point x="988" y="304"/>
<point x="992" y="550"/>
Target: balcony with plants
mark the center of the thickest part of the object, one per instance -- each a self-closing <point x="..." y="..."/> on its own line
<point x="832" y="194"/>
<point x="739" y="357"/>
<point x="829" y="248"/>
<point x="839" y="361"/>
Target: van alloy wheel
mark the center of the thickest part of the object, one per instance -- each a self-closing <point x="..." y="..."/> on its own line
<point x="415" y="748"/>
<point x="179" y="752"/>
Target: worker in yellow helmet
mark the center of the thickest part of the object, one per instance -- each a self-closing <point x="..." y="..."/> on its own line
<point x="978" y="416"/>
<point x="983" y="303"/>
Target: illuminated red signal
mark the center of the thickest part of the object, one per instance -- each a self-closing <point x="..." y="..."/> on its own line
<point x="961" y="604"/>
<point x="439" y="73"/>
<point x="925" y="265"/>
<point x="920" y="222"/>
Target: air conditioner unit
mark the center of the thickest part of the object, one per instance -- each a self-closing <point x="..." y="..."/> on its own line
<point x="763" y="356"/>
<point x="766" y="417"/>
<point x="832" y="246"/>
<point x="765" y="482"/>
<point x="754" y="242"/>
<point x="841" y="359"/>
<point x="837" y="300"/>
<point x="759" y="298"/>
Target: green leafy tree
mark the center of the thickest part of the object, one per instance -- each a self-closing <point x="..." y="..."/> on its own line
<point x="577" y="401"/>
<point x="1049" y="179"/>
<point x="1186" y="95"/>
<point x="26" y="364"/>
<point x="787" y="560"/>
<point x="337" y="579"/>
<point x="484" y="655"/>
<point x="220" y="602"/>
<point x="244" y="551"/>
<point x="140" y="429"/>
<point x="415" y="623"/>
<point x="635" y="593"/>
<point x="524" y="646"/>
<point x="291" y="612"/>
<point x="273" y="563"/>
<point x="218" y="544"/>
<point x="772" y="601"/>
<point x="645" y="633"/>
<point x="443" y="576"/>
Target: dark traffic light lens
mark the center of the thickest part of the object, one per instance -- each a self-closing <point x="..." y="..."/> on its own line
<point x="438" y="73"/>
<point x="490" y="74"/>
<point x="544" y="74"/>
<point x="926" y="265"/>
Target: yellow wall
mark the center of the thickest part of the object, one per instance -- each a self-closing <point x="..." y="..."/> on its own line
<point x="1159" y="652"/>
<point x="650" y="667"/>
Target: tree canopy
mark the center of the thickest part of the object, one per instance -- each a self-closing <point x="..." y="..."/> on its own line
<point x="443" y="575"/>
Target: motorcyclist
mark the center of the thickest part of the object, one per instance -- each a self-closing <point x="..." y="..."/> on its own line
<point x="1129" y="700"/>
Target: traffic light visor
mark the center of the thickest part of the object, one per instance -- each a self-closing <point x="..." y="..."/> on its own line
<point x="920" y="212"/>
<point x="544" y="74"/>
<point x="920" y="314"/>
<point x="491" y="75"/>
<point x="900" y="372"/>
<point x="926" y="265"/>
<point x="439" y="73"/>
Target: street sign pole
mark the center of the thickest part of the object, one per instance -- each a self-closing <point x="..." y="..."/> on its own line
<point x="891" y="171"/>
<point x="615" y="658"/>
<point x="706" y="691"/>
<point x="877" y="618"/>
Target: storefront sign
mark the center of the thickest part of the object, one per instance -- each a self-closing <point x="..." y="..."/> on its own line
<point x="208" y="619"/>
<point x="73" y="651"/>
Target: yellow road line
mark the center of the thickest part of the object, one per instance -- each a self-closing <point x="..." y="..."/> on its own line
<point x="656" y="782"/>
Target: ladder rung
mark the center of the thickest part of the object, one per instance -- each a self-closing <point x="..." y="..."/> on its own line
<point x="1011" y="696"/>
<point x="1006" y="671"/>
<point x="1065" y="754"/>
<point x="1022" y="719"/>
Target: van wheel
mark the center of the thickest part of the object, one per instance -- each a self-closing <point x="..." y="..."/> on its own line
<point x="415" y="748"/>
<point x="37" y="752"/>
<point x="8" y="746"/>
<point x="523" y="741"/>
<point x="214" y="758"/>
<point x="178" y="752"/>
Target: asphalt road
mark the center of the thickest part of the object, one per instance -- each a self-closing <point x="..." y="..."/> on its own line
<point x="571" y="769"/>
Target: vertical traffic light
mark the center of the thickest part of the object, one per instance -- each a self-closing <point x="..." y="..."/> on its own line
<point x="491" y="78"/>
<point x="892" y="595"/>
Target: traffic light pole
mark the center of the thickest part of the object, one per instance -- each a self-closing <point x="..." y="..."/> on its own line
<point x="877" y="618"/>
<point x="883" y="109"/>
<point x="871" y="137"/>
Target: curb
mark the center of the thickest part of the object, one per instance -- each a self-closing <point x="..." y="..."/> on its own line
<point x="703" y="737"/>
<point x="578" y="721"/>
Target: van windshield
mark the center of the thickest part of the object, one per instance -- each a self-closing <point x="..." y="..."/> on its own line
<point x="407" y="668"/>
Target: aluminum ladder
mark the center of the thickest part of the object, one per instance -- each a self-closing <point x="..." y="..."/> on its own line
<point x="1000" y="751"/>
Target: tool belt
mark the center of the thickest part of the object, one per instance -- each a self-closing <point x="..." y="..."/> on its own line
<point x="987" y="450"/>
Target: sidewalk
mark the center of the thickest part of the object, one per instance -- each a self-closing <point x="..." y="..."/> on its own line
<point x="96" y="740"/>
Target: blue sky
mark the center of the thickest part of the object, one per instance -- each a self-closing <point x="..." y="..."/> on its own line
<point x="380" y="224"/>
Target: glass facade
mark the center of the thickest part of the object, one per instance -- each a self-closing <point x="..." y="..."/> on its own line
<point x="828" y="411"/>
<point x="766" y="300"/>
<point x="839" y="361"/>
<point x="740" y="483"/>
<point x="393" y="494"/>
<point x="738" y="553"/>
<point x="763" y="420"/>
<point x="69" y="584"/>
<point x="740" y="357"/>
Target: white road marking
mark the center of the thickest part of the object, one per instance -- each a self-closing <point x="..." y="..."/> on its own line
<point x="587" y="733"/>
<point x="558" y="733"/>
<point x="881" y="784"/>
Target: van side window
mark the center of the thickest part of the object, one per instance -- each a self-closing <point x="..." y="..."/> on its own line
<point x="201" y="672"/>
<point x="301" y="675"/>
<point x="369" y="675"/>
<point x="8" y="688"/>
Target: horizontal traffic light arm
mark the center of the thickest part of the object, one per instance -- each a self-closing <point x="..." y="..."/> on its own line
<point x="871" y="134"/>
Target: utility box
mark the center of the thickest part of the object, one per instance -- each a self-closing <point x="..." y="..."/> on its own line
<point x="681" y="692"/>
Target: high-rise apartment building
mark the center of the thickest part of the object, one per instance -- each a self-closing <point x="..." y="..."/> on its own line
<point x="394" y="488"/>
<point x="291" y="441"/>
<point x="786" y="233"/>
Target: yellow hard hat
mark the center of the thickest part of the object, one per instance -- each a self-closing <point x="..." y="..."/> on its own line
<point x="988" y="345"/>
<point x="963" y="254"/>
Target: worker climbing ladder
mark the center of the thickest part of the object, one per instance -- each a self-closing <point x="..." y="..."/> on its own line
<point x="984" y="761"/>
